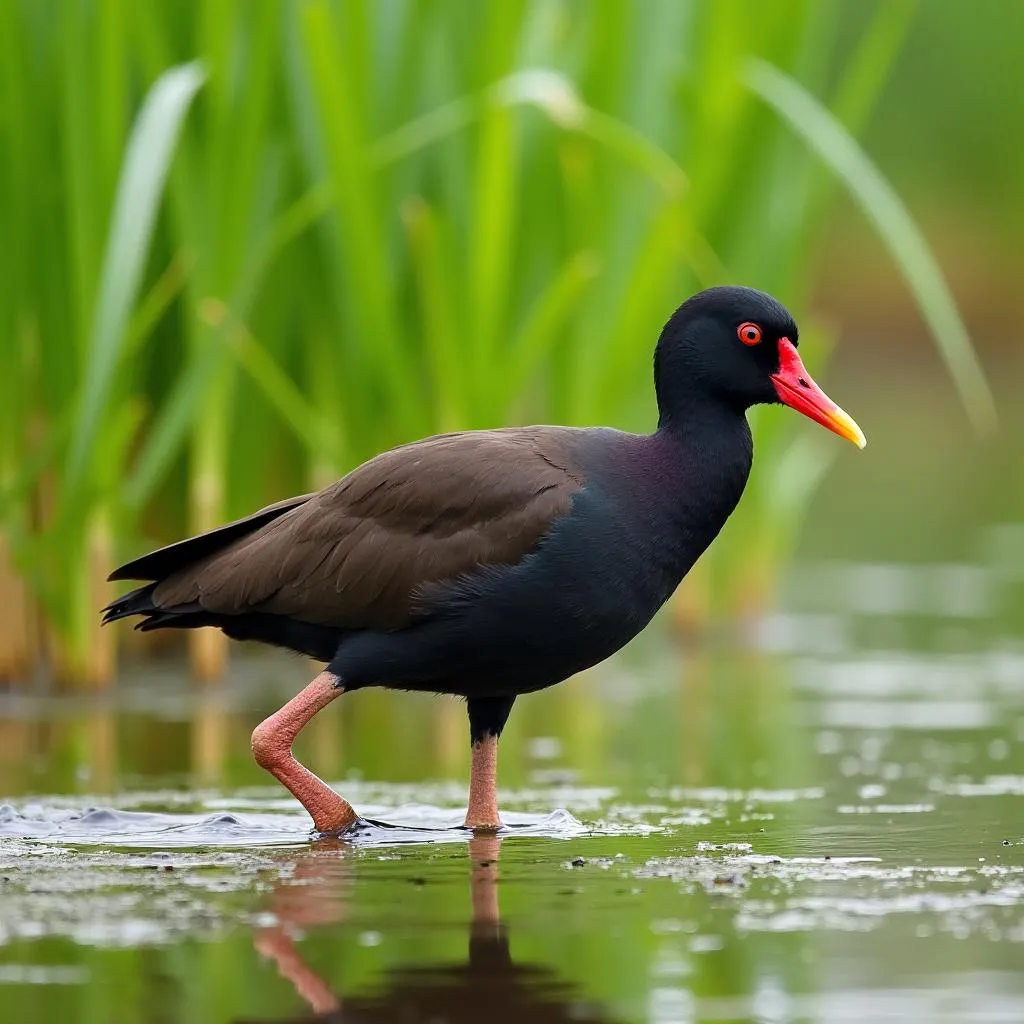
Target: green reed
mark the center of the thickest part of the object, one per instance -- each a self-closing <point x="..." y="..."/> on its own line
<point x="250" y="244"/>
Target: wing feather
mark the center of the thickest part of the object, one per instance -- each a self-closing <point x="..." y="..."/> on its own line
<point x="355" y="555"/>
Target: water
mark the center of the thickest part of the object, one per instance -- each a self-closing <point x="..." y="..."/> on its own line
<point x="824" y="825"/>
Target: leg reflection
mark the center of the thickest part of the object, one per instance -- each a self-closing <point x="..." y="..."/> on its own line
<point x="314" y="895"/>
<point x="487" y="983"/>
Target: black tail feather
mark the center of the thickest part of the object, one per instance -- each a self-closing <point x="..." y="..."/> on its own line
<point x="140" y="602"/>
<point x="135" y="602"/>
<point x="188" y="617"/>
<point x="315" y="641"/>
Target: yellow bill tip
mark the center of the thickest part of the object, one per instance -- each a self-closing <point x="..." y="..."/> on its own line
<point x="846" y="426"/>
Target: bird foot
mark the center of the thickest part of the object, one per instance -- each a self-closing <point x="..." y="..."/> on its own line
<point x="483" y="826"/>
<point x="331" y="817"/>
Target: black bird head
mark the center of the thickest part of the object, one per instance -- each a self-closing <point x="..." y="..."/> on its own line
<point x="739" y="346"/>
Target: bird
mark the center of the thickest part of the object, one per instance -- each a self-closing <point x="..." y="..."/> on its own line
<point x="489" y="564"/>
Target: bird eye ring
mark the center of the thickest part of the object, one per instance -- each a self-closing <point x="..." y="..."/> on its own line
<point x="748" y="333"/>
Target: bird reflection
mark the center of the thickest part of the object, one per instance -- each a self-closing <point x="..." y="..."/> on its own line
<point x="488" y="983"/>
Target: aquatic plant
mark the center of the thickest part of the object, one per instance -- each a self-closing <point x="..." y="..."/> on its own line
<point x="249" y="245"/>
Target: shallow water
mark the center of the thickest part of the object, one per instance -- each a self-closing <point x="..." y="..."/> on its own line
<point x="824" y="825"/>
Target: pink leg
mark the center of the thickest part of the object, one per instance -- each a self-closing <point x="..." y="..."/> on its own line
<point x="272" y="747"/>
<point x="482" y="814"/>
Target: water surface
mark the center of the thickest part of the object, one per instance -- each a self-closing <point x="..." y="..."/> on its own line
<point x="825" y="825"/>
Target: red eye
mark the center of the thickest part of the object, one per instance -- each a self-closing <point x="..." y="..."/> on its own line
<point x="748" y="333"/>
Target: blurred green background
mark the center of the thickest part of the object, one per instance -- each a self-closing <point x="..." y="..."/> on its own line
<point x="249" y="244"/>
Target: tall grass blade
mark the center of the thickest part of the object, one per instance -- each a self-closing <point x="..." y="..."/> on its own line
<point x="545" y="319"/>
<point x="435" y="289"/>
<point x="367" y="271"/>
<point x="834" y="145"/>
<point x="170" y="428"/>
<point x="140" y="186"/>
<point x="294" y="408"/>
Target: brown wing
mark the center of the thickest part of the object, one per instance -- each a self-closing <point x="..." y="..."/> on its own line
<point x="354" y="555"/>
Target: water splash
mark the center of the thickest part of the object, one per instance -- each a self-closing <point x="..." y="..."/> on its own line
<point x="254" y="828"/>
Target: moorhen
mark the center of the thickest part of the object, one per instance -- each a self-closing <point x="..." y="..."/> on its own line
<point x="491" y="563"/>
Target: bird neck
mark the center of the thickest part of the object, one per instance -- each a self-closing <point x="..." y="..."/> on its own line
<point x="695" y="415"/>
<point x="708" y="444"/>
